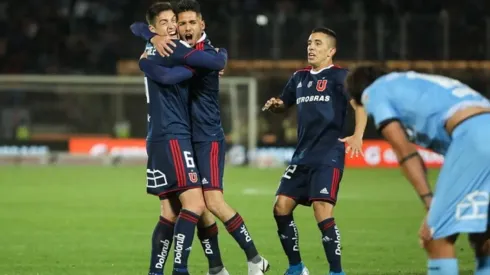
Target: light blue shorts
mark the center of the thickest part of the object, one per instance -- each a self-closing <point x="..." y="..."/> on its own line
<point x="461" y="198"/>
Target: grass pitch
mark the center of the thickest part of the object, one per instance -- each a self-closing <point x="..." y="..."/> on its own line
<point x="98" y="220"/>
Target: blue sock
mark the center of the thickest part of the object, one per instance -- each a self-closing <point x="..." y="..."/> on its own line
<point x="331" y="244"/>
<point x="289" y="237"/>
<point x="184" y="235"/>
<point x="161" y="242"/>
<point x="208" y="236"/>
<point x="482" y="266"/>
<point x="443" y="267"/>
<point x="236" y="227"/>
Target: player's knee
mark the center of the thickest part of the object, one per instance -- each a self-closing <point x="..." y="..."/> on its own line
<point x="193" y="200"/>
<point x="283" y="206"/>
<point x="441" y="248"/>
<point x="323" y="210"/>
<point x="214" y="200"/>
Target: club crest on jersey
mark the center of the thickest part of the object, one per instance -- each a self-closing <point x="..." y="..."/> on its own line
<point x="193" y="177"/>
<point x="321" y="85"/>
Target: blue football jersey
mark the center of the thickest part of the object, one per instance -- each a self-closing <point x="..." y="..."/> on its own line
<point x="168" y="105"/>
<point x="422" y="103"/>
<point x="322" y="104"/>
<point x="205" y="110"/>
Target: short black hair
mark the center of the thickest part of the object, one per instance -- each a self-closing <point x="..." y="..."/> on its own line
<point x="188" y="5"/>
<point x="328" y="32"/>
<point x="155" y="9"/>
<point x="360" y="78"/>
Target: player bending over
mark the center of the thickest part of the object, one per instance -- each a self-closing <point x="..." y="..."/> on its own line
<point x="316" y="169"/>
<point x="171" y="171"/>
<point x="208" y="136"/>
<point x="450" y="118"/>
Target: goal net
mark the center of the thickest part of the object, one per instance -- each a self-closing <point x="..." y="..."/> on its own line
<point x="112" y="107"/>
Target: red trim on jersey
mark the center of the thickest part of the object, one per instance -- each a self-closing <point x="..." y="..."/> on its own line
<point x="178" y="163"/>
<point x="200" y="46"/>
<point x="189" y="53"/>
<point x="307" y="69"/>
<point x="214" y="165"/>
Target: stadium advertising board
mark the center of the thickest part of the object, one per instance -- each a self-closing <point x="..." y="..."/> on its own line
<point x="31" y="148"/>
<point x="377" y="153"/>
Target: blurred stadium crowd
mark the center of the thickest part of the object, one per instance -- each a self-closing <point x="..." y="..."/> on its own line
<point x="85" y="37"/>
<point x="92" y="37"/>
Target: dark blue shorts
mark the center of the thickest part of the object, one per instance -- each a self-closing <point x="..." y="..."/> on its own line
<point x="171" y="168"/>
<point x="307" y="184"/>
<point x="210" y="159"/>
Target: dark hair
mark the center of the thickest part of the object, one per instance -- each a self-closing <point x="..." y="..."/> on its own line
<point x="155" y="9"/>
<point x="328" y="32"/>
<point x="360" y="78"/>
<point x="188" y="5"/>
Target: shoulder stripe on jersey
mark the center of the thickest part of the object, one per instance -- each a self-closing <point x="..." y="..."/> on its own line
<point x="307" y="69"/>
<point x="189" y="53"/>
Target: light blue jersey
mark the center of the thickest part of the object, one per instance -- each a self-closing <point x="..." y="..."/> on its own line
<point x="422" y="103"/>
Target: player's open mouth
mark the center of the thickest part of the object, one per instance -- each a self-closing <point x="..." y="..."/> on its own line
<point x="188" y="37"/>
<point x="311" y="55"/>
<point x="172" y="33"/>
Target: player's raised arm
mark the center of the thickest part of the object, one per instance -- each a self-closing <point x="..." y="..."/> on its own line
<point x="142" y="30"/>
<point x="163" y="44"/>
<point x="166" y="76"/>
<point x="410" y="161"/>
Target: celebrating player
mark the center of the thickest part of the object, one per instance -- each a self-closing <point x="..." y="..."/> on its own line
<point x="171" y="171"/>
<point x="448" y="117"/>
<point x="208" y="136"/>
<point x="315" y="171"/>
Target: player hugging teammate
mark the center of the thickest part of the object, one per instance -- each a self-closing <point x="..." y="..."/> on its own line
<point x="185" y="141"/>
<point x="316" y="169"/>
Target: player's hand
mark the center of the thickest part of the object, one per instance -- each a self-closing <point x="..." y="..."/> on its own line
<point x="424" y="233"/>
<point x="144" y="55"/>
<point x="162" y="44"/>
<point x="221" y="73"/>
<point x="354" y="145"/>
<point x="272" y="104"/>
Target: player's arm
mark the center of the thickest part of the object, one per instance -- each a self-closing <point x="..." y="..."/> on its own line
<point x="361" y="119"/>
<point x="409" y="159"/>
<point x="204" y="60"/>
<point x="285" y="100"/>
<point x="162" y="43"/>
<point x="141" y="29"/>
<point x="166" y="76"/>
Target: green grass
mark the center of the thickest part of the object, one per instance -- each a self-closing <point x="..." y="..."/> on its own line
<point x="98" y="220"/>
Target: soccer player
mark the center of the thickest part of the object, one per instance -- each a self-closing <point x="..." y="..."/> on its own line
<point x="450" y="118"/>
<point x="316" y="169"/>
<point x="171" y="171"/>
<point x="207" y="135"/>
